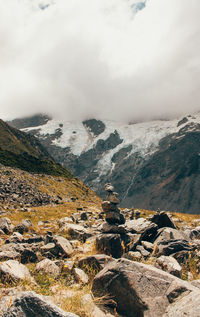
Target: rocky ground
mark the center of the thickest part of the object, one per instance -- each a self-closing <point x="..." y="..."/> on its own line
<point x="20" y="189"/>
<point x="66" y="258"/>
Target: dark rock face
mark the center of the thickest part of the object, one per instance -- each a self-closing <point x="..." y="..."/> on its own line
<point x="171" y="177"/>
<point x="95" y="126"/>
<point x="31" y="304"/>
<point x="33" y="121"/>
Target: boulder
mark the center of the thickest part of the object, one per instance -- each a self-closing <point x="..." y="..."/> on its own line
<point x="16" y="237"/>
<point x="134" y="256"/>
<point x="76" y="231"/>
<point x="139" y="289"/>
<point x="80" y="276"/>
<point x="108" y="206"/>
<point x="84" y="216"/>
<point x="169" y="264"/>
<point x="63" y="245"/>
<point x="166" y="234"/>
<point x="12" y="271"/>
<point x="110" y="244"/>
<point x="92" y="309"/>
<point x="23" y="226"/>
<point x="188" y="306"/>
<point x="147" y="245"/>
<point x="113" y="217"/>
<point x="49" y="267"/>
<point x="108" y="228"/>
<point x="172" y="246"/>
<point x="162" y="220"/>
<point x="95" y="262"/>
<point x="30" y="304"/>
<point x="9" y="255"/>
<point x="147" y="229"/>
<point x="6" y="225"/>
<point x="142" y="250"/>
<point x="49" y="250"/>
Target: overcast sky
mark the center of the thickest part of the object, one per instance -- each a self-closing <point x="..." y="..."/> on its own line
<point x="96" y="58"/>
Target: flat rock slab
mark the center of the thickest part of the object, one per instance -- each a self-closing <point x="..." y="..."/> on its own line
<point x="139" y="290"/>
<point x="30" y="304"/>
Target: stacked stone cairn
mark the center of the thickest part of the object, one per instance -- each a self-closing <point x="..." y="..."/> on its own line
<point x="112" y="212"/>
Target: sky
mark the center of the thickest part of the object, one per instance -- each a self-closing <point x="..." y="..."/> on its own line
<point x="99" y="59"/>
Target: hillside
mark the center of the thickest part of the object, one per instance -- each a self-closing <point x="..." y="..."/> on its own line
<point x="67" y="255"/>
<point x="18" y="149"/>
<point x="152" y="164"/>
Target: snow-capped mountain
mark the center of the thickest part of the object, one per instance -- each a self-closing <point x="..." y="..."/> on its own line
<point x="151" y="164"/>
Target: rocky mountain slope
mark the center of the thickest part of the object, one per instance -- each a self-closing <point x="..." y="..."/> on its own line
<point x="18" y="149"/>
<point x="66" y="261"/>
<point x="151" y="164"/>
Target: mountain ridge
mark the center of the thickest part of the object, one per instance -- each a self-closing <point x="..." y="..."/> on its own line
<point x="106" y="151"/>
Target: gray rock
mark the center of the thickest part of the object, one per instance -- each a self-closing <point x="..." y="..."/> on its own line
<point x="195" y="233"/>
<point x="64" y="246"/>
<point x="107" y="228"/>
<point x="173" y="246"/>
<point x="166" y="234"/>
<point x="187" y="306"/>
<point x="147" y="245"/>
<point x="6" y="225"/>
<point x="95" y="262"/>
<point x="169" y="264"/>
<point x="139" y="289"/>
<point x="110" y="244"/>
<point x="80" y="276"/>
<point x="31" y="304"/>
<point x="113" y="217"/>
<point x="134" y="256"/>
<point x="163" y="220"/>
<point x="49" y="267"/>
<point x="16" y="237"/>
<point x="147" y="229"/>
<point x="76" y="231"/>
<point x="23" y="226"/>
<point x="142" y="250"/>
<point x="13" y="271"/>
<point x="84" y="216"/>
<point x="196" y="283"/>
<point x="9" y="255"/>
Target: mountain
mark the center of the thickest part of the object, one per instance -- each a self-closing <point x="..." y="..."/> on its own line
<point x="152" y="164"/>
<point x="24" y="151"/>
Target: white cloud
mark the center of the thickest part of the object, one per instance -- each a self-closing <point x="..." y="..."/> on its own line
<point x="94" y="58"/>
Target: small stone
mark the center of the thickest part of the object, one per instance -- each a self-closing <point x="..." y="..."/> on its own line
<point x="142" y="250"/>
<point x="169" y="264"/>
<point x="80" y="276"/>
<point x="49" y="267"/>
<point x="134" y="256"/>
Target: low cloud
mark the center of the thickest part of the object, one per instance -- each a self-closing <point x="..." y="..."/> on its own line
<point x="97" y="58"/>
